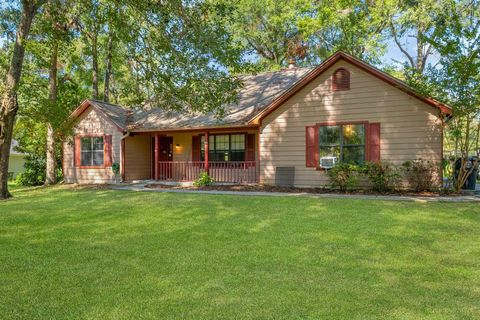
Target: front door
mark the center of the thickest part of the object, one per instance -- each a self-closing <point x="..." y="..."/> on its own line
<point x="165" y="154"/>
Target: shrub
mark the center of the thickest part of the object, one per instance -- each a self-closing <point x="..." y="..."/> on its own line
<point x="203" y="180"/>
<point x="343" y="176"/>
<point x="34" y="174"/>
<point x="420" y="174"/>
<point x="116" y="168"/>
<point x="382" y="175"/>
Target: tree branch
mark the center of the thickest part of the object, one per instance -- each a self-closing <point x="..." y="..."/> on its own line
<point x="405" y="52"/>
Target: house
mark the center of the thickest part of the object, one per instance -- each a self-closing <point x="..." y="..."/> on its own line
<point x="287" y="128"/>
<point x="16" y="161"/>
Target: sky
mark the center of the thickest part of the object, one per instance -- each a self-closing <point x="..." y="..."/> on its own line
<point x="394" y="54"/>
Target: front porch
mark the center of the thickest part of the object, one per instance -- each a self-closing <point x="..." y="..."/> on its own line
<point x="232" y="156"/>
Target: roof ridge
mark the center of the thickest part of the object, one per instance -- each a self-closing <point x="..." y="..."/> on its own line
<point x="275" y="71"/>
<point x="111" y="104"/>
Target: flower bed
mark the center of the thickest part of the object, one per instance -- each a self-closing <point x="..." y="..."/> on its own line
<point x="268" y="188"/>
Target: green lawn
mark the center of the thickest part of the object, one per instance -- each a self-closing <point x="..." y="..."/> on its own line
<point x="101" y="254"/>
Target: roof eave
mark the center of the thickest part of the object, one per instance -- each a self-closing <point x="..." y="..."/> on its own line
<point x="205" y="128"/>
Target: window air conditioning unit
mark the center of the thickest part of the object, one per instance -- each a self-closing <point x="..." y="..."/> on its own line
<point x="328" y="162"/>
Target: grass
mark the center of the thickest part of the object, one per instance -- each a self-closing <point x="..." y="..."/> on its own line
<point x="101" y="254"/>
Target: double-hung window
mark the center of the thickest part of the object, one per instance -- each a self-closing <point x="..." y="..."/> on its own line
<point x="346" y="142"/>
<point x="224" y="147"/>
<point x="92" y="151"/>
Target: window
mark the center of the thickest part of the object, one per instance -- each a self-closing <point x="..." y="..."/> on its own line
<point x="225" y="147"/>
<point x="341" y="80"/>
<point x="345" y="142"/>
<point x="92" y="151"/>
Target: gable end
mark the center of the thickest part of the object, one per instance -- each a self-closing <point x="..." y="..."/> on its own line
<point x="444" y="109"/>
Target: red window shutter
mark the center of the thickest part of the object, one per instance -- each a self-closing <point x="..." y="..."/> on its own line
<point x="107" y="156"/>
<point x="311" y="146"/>
<point x="341" y="80"/>
<point x="195" y="148"/>
<point x="374" y="142"/>
<point x="250" y="156"/>
<point x="78" y="151"/>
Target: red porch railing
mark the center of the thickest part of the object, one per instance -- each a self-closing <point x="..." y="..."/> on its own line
<point x="231" y="171"/>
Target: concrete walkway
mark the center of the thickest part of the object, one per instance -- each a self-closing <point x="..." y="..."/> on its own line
<point x="462" y="198"/>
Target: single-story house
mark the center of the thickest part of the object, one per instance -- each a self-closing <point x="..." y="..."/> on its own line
<point x="287" y="128"/>
<point x="16" y="161"/>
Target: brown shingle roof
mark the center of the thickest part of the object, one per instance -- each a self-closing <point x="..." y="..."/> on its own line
<point x="118" y="114"/>
<point x="261" y="94"/>
<point x="257" y="93"/>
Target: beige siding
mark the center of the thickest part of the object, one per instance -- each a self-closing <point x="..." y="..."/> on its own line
<point x="91" y="122"/>
<point x="137" y="157"/>
<point x="184" y="150"/>
<point x="16" y="164"/>
<point x="410" y="129"/>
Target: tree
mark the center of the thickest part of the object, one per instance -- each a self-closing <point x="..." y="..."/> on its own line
<point x="420" y="22"/>
<point x="180" y="57"/>
<point x="269" y="30"/>
<point x="353" y="26"/>
<point x="305" y="32"/>
<point x="456" y="79"/>
<point x="9" y="104"/>
<point x="176" y="58"/>
<point x="58" y="24"/>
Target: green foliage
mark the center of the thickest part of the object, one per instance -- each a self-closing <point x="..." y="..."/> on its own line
<point x="116" y="168"/>
<point x="355" y="27"/>
<point x="203" y="180"/>
<point x="34" y="174"/>
<point x="382" y="175"/>
<point x="171" y="55"/>
<point x="417" y="20"/>
<point x="458" y="76"/>
<point x="306" y="32"/>
<point x="177" y="55"/>
<point x="343" y="176"/>
<point x="420" y="174"/>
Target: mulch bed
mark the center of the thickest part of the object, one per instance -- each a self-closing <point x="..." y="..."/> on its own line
<point x="267" y="188"/>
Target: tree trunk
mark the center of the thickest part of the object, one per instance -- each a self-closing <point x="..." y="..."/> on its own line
<point x="420" y="57"/>
<point x="9" y="106"/>
<point x="94" y="67"/>
<point x="108" y="69"/>
<point x="50" y="176"/>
